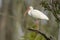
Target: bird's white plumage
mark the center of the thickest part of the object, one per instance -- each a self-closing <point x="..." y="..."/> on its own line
<point x="31" y="8"/>
<point x="37" y="14"/>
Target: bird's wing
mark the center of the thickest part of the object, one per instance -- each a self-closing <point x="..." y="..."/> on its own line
<point x="38" y="14"/>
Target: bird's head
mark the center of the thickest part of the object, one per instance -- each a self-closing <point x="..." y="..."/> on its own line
<point x="31" y="8"/>
<point x="28" y="8"/>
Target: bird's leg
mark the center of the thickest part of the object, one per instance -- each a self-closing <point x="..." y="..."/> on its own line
<point x="37" y="24"/>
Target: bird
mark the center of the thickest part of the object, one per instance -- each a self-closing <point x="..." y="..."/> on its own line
<point x="37" y="14"/>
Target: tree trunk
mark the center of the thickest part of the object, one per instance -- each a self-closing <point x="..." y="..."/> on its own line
<point x="17" y="11"/>
<point x="4" y="20"/>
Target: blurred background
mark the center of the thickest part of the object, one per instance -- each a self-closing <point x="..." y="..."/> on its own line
<point x="14" y="26"/>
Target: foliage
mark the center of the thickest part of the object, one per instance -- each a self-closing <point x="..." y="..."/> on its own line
<point x="53" y="6"/>
<point x="34" y="36"/>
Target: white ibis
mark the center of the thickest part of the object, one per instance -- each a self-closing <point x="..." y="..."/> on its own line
<point x="36" y="14"/>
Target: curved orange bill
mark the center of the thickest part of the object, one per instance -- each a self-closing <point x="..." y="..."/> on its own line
<point x="26" y="11"/>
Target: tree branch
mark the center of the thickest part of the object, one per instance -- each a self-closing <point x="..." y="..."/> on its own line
<point x="40" y="33"/>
